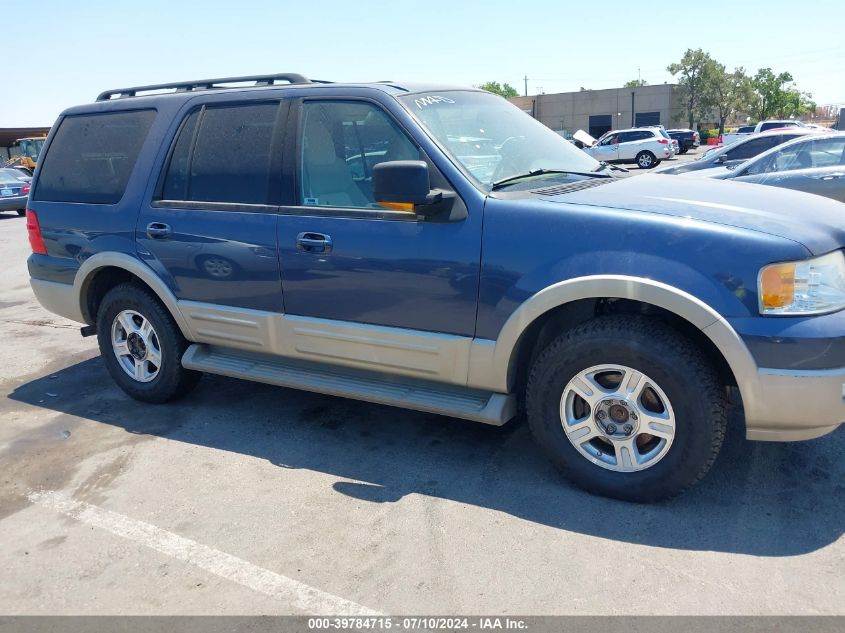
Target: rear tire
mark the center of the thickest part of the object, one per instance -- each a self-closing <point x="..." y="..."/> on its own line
<point x="142" y="346"/>
<point x="21" y="211"/>
<point x="646" y="160"/>
<point x="677" y="413"/>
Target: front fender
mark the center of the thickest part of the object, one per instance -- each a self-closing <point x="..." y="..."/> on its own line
<point x="490" y="361"/>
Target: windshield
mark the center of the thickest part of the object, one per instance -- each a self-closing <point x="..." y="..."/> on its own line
<point x="492" y="138"/>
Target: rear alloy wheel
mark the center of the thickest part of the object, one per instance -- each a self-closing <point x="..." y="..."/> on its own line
<point x="627" y="407"/>
<point x="646" y="160"/>
<point x="136" y="345"/>
<point x="142" y="346"/>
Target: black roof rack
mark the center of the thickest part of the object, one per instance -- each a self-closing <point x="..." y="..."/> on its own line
<point x="205" y="84"/>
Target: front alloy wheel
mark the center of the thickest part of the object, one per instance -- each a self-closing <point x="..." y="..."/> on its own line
<point x="627" y="407"/>
<point x="617" y="417"/>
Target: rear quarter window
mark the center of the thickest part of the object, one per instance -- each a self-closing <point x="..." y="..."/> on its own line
<point x="92" y="156"/>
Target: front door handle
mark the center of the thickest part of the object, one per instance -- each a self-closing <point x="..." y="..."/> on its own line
<point x="313" y="243"/>
<point x="831" y="176"/>
<point x="158" y="231"/>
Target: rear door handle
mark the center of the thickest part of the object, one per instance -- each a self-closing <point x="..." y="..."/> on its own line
<point x="831" y="176"/>
<point x="158" y="231"/>
<point x="313" y="243"/>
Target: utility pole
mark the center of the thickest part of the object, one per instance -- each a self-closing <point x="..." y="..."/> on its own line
<point x="526" y="85"/>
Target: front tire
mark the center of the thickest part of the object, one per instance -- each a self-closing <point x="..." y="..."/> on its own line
<point x="646" y="160"/>
<point x="142" y="346"/>
<point x="626" y="407"/>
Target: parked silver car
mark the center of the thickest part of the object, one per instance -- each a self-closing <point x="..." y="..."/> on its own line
<point x="739" y="152"/>
<point x="815" y="164"/>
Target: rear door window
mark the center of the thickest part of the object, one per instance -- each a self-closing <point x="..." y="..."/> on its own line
<point x="92" y="156"/>
<point x="223" y="154"/>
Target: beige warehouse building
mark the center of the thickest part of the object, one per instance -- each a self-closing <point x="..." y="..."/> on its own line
<point x="598" y="111"/>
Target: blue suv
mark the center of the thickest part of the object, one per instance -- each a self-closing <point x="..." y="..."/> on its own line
<point x="438" y="249"/>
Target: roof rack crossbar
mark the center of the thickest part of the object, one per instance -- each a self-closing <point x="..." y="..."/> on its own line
<point x="204" y="84"/>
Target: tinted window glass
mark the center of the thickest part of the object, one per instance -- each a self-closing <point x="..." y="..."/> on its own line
<point x="92" y="156"/>
<point x="231" y="158"/>
<point x="343" y="141"/>
<point x="755" y="146"/>
<point x="227" y="159"/>
<point x="176" y="180"/>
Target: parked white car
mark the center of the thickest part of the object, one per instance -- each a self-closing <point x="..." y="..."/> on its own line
<point x="763" y="126"/>
<point x="644" y="146"/>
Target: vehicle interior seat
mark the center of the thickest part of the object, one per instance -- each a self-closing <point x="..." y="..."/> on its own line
<point x="327" y="178"/>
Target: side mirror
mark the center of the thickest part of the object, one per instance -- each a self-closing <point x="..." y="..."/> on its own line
<point x="723" y="158"/>
<point x="405" y="183"/>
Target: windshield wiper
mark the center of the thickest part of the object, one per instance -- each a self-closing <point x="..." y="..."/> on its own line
<point x="605" y="165"/>
<point x="540" y="172"/>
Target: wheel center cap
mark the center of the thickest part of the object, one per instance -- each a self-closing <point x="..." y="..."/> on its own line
<point x="616" y="418"/>
<point x="136" y="346"/>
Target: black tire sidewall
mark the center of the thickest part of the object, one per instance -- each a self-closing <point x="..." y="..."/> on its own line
<point x="645" y="153"/>
<point x="171" y="373"/>
<point x="692" y="445"/>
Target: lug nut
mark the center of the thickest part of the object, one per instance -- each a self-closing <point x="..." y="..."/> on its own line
<point x="600" y="415"/>
<point x="633" y="415"/>
<point x="611" y="428"/>
<point x="628" y="428"/>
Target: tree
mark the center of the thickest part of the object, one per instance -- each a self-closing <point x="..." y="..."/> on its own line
<point x="503" y="90"/>
<point x="694" y="69"/>
<point x="728" y="93"/>
<point x="777" y="96"/>
<point x="635" y="83"/>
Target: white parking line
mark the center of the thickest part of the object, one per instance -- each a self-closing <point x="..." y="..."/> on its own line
<point x="301" y="596"/>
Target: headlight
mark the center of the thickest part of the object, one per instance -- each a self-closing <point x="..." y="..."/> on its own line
<point x="810" y="286"/>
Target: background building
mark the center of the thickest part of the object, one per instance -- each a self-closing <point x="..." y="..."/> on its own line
<point x="598" y="111"/>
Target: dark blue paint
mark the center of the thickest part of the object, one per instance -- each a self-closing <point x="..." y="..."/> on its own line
<point x="706" y="238"/>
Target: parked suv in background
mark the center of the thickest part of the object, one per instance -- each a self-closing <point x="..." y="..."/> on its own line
<point x="740" y="151"/>
<point x="644" y="146"/>
<point x="345" y="239"/>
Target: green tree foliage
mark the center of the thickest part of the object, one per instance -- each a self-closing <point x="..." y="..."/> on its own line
<point x="503" y="90"/>
<point x="728" y="92"/>
<point x="694" y="73"/>
<point x="777" y="96"/>
<point x="635" y="83"/>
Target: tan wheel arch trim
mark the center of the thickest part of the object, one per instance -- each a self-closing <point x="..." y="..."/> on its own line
<point x="490" y="360"/>
<point x="130" y="264"/>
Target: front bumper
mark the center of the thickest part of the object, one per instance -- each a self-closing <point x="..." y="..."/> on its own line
<point x="13" y="203"/>
<point x="796" y="389"/>
<point x="791" y="405"/>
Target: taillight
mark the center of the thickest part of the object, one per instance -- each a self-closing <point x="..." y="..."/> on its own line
<point x="34" y="231"/>
<point x="25" y="189"/>
<point x="665" y="141"/>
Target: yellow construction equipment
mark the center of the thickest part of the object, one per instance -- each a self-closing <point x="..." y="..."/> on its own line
<point x="25" y="152"/>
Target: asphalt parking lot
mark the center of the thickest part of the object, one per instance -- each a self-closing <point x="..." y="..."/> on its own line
<point x="250" y="499"/>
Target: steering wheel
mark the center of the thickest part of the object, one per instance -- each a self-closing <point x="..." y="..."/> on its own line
<point x="509" y="150"/>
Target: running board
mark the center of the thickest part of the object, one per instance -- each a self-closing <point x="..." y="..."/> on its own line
<point x="459" y="402"/>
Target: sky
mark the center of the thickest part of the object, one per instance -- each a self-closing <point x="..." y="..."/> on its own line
<point x="67" y="51"/>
